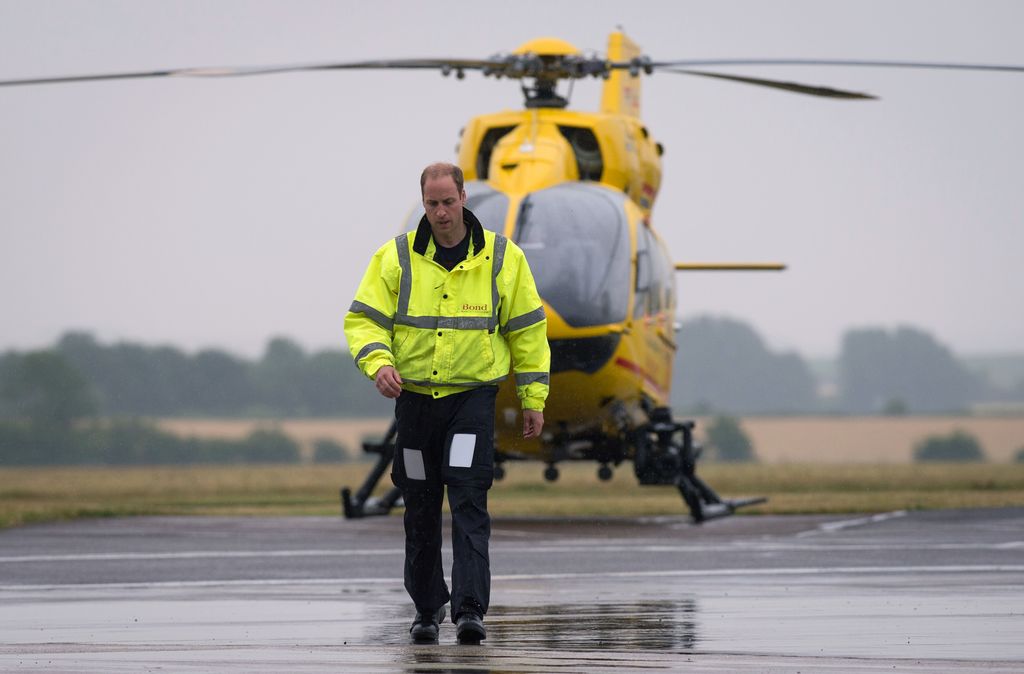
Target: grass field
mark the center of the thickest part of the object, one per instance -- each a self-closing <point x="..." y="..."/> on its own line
<point x="43" y="494"/>
<point x="806" y="464"/>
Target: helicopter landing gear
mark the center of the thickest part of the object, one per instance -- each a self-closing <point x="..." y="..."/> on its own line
<point x="604" y="473"/>
<point x="667" y="455"/>
<point x="362" y="504"/>
<point x="551" y="473"/>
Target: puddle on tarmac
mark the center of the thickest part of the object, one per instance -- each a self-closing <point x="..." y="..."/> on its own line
<point x="644" y="625"/>
<point x="641" y="625"/>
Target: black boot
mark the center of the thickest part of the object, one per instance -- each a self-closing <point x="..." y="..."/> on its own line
<point x="469" y="624"/>
<point x="424" y="630"/>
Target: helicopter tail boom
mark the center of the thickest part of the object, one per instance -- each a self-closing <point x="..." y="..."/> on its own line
<point x="621" y="94"/>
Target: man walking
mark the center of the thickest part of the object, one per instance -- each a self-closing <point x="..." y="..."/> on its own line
<point x="439" y="318"/>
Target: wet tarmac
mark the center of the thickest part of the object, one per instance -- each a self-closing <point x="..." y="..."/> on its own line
<point x="905" y="592"/>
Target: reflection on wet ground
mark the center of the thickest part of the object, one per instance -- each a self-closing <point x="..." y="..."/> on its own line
<point x="661" y="625"/>
<point x="646" y="625"/>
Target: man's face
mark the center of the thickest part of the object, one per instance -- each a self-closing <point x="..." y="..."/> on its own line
<point x="443" y="204"/>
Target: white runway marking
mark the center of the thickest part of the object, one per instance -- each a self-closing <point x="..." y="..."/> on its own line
<point x="603" y="546"/>
<point x="671" y="573"/>
<point x="196" y="554"/>
<point x="839" y="525"/>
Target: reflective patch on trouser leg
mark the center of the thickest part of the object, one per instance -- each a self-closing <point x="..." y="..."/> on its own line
<point x="461" y="454"/>
<point x="413" y="460"/>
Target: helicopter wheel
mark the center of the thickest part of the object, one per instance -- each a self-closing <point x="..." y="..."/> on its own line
<point x="551" y="473"/>
<point x="604" y="473"/>
<point x="499" y="471"/>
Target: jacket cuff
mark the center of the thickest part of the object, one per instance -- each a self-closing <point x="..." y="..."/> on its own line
<point x="375" y="362"/>
<point x="535" y="404"/>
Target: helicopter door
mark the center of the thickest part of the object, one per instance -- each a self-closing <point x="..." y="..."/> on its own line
<point x="655" y="277"/>
<point x="576" y="239"/>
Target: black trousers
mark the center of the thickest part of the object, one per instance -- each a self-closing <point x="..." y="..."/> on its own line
<point x="446" y="442"/>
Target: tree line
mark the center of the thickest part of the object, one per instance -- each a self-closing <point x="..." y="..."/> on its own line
<point x="85" y="403"/>
<point x="723" y="367"/>
<point x="129" y="380"/>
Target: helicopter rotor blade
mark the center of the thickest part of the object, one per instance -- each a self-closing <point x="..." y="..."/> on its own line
<point x="686" y="67"/>
<point x="518" y="66"/>
<point x="445" y="66"/>
<point x="827" y="92"/>
<point x="926" y="65"/>
<point x="88" y="78"/>
<point x="730" y="266"/>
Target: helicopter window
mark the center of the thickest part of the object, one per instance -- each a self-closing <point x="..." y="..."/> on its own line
<point x="644" y="272"/>
<point x="654" y="275"/>
<point x="576" y="238"/>
<point x="666" y="272"/>
<point x="587" y="150"/>
<point x="488" y="205"/>
<point x="483" y="155"/>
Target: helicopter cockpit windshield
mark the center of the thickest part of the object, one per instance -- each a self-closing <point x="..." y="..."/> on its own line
<point x="576" y="239"/>
<point x="488" y="205"/>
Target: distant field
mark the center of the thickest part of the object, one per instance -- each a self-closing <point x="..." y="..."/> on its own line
<point x="349" y="432"/>
<point x="874" y="439"/>
<point x="44" y="494"/>
<point x="833" y="440"/>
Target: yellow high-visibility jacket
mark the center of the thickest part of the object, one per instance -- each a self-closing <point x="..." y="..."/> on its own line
<point x="450" y="331"/>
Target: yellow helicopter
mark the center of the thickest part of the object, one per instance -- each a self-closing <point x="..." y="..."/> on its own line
<point x="575" y="191"/>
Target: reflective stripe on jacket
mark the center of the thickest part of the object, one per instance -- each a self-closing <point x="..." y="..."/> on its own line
<point x="447" y="332"/>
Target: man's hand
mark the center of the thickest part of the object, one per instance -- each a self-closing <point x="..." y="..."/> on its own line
<point x="533" y="422"/>
<point x="388" y="382"/>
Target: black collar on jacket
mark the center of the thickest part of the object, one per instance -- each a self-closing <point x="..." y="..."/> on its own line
<point x="423" y="233"/>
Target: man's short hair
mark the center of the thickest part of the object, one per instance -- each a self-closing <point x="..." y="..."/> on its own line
<point x="439" y="170"/>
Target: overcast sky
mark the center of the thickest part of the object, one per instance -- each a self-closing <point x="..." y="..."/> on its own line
<point x="222" y="212"/>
